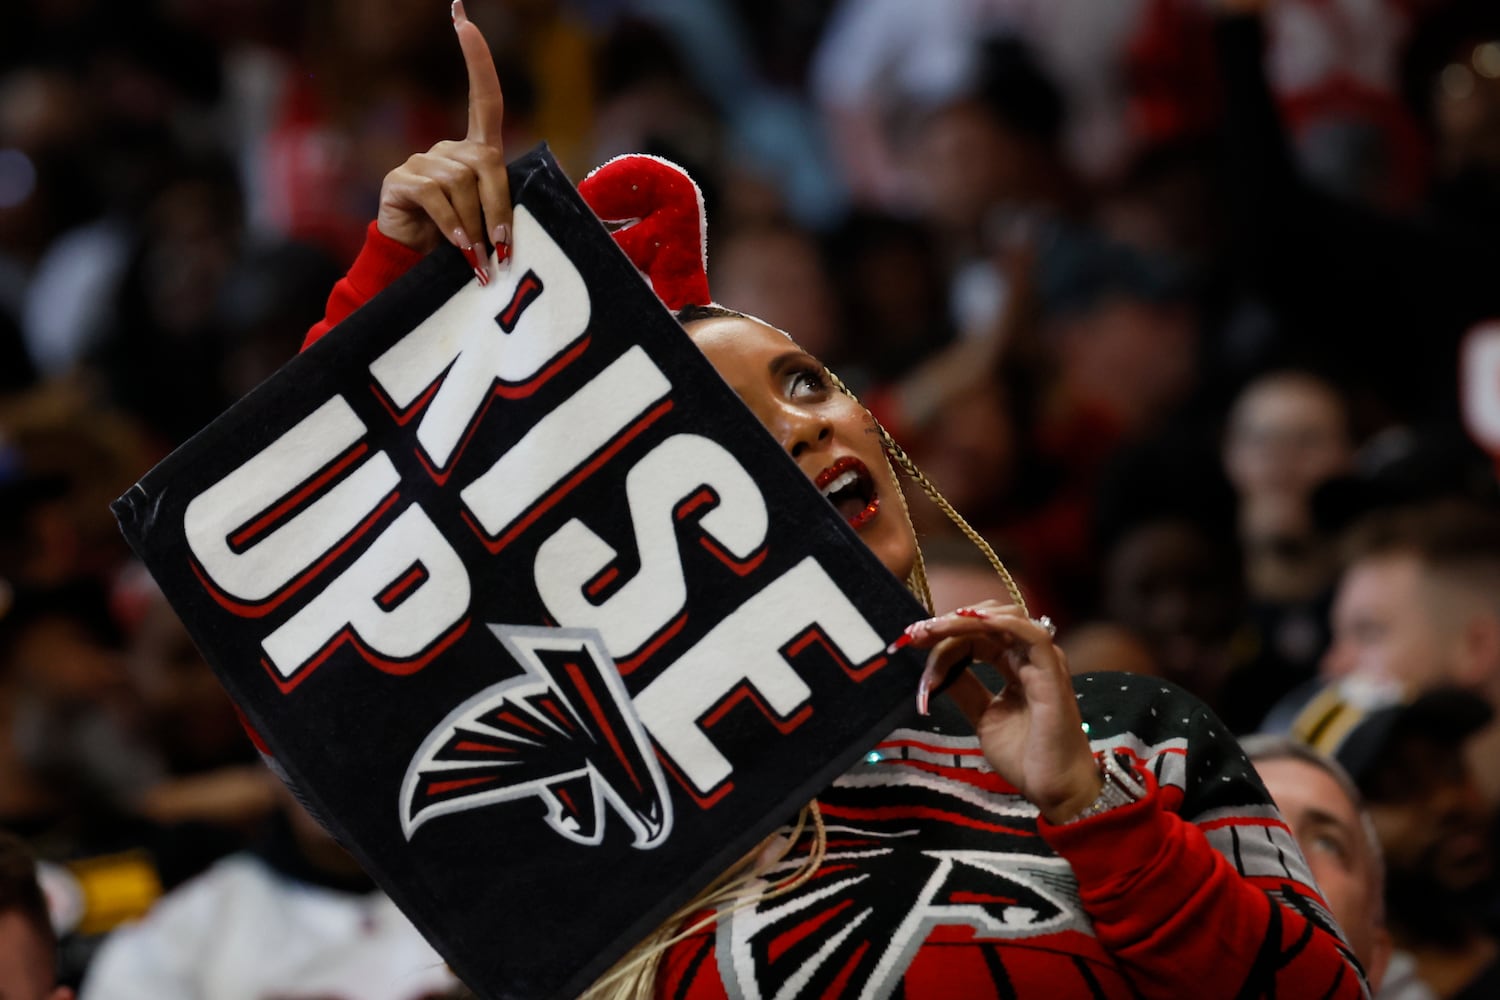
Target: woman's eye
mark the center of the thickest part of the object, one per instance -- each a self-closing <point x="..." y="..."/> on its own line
<point x="807" y="383"/>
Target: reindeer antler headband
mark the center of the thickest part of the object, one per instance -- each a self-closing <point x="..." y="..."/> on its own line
<point x="654" y="211"/>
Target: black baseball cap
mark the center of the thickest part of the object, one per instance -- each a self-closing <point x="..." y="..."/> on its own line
<point x="1355" y="727"/>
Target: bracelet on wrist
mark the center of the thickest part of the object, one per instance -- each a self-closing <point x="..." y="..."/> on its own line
<point x="1121" y="787"/>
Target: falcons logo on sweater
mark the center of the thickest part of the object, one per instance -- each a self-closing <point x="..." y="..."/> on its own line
<point x="564" y="731"/>
<point x="921" y="854"/>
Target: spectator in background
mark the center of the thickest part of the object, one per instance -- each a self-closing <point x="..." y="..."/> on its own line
<point x="1451" y="78"/>
<point x="1288" y="432"/>
<point x="1418" y="606"/>
<point x="292" y="915"/>
<point x="199" y="306"/>
<point x="205" y="769"/>
<point x="1326" y="814"/>
<point x="774" y="137"/>
<point x="892" y="294"/>
<point x="1095" y="350"/>
<point x="28" y="944"/>
<point x="1105" y="645"/>
<point x="67" y="707"/>
<point x="780" y="267"/>
<point x="985" y="160"/>
<point x="875" y="59"/>
<point x="1408" y="759"/>
<point x="1168" y="200"/>
<point x="263" y="308"/>
<point x="157" y="356"/>
<point x="1386" y="296"/>
<point x="1123" y="332"/>
<point x="967" y="408"/>
<point x="64" y="456"/>
<point x="128" y="92"/>
<point x="81" y="781"/>
<point x="359" y="81"/>
<point x="1169" y="571"/>
<point x="970" y="446"/>
<point x="878" y="57"/>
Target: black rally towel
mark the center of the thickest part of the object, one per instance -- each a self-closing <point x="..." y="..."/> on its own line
<point x="532" y="611"/>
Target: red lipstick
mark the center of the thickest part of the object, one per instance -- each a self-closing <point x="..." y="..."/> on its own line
<point x="848" y="485"/>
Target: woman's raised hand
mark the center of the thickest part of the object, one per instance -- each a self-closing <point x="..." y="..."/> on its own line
<point x="457" y="190"/>
<point x="1031" y="732"/>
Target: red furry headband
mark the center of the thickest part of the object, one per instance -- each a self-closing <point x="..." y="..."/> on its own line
<point x="654" y="210"/>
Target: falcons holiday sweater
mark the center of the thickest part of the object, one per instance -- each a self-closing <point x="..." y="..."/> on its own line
<point x="941" y="881"/>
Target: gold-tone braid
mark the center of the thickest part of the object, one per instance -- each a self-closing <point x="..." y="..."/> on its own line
<point x="894" y="452"/>
<point x="916" y="580"/>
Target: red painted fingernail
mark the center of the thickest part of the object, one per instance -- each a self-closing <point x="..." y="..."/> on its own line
<point x="480" y="271"/>
<point x="900" y="642"/>
<point x="970" y="613"/>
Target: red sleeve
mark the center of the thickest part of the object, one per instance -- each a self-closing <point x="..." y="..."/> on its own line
<point x="381" y="261"/>
<point x="1176" y="914"/>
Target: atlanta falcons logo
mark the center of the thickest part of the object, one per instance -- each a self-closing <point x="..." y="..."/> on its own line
<point x="855" y="929"/>
<point x="565" y="732"/>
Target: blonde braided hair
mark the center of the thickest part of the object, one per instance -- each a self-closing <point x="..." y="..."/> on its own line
<point x="894" y="452"/>
<point x="743" y="885"/>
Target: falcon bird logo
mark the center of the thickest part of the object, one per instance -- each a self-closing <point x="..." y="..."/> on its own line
<point x="564" y="731"/>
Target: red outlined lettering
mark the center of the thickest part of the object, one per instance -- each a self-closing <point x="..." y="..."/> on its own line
<point x="705" y="801"/>
<point x="259" y="609"/>
<point x="528" y="289"/>
<point x="385" y="664"/>
<point x="398" y="591"/>
<point x="655" y="643"/>
<point x="247" y="535"/>
<point x="815" y="636"/>
<point x="745" y="692"/>
<point x="700" y="503"/>
<point x="499" y="389"/>
<point x="552" y="498"/>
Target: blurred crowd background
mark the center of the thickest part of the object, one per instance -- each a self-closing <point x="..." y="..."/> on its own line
<point x="1173" y="299"/>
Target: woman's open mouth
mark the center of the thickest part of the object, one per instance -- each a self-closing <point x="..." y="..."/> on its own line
<point x="848" y="485"/>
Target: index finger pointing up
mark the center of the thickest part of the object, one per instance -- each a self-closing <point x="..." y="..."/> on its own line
<point x="486" y="102"/>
